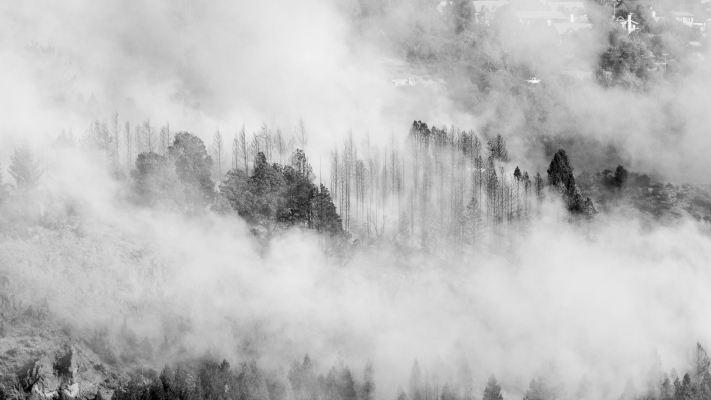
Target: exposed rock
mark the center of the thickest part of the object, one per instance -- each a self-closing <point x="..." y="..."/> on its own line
<point x="76" y="373"/>
<point x="67" y="365"/>
<point x="38" y="377"/>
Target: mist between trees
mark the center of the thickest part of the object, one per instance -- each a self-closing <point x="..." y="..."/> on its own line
<point x="441" y="188"/>
<point x="210" y="380"/>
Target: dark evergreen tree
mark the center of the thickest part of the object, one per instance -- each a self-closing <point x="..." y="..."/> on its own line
<point x="683" y="390"/>
<point x="621" y="175"/>
<point x="193" y="166"/>
<point x="497" y="149"/>
<point x="299" y="197"/>
<point x="235" y="188"/>
<point x="216" y="381"/>
<point x="367" y="390"/>
<point x="326" y="218"/>
<point x="492" y="390"/>
<point x="560" y="172"/>
<point x="560" y="176"/>
<point x="154" y="180"/>
<point x="539" y="185"/>
<point x="266" y="189"/>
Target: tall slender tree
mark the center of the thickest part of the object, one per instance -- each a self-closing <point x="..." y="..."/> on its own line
<point x="24" y="168"/>
<point x="218" y="154"/>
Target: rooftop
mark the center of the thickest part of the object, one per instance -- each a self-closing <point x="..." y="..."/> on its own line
<point x="548" y="15"/>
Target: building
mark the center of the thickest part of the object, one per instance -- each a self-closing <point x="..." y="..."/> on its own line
<point x="566" y="7"/>
<point x="544" y="17"/>
<point x="566" y="28"/>
<point x="634" y="6"/>
<point x="627" y="23"/>
<point x="684" y="17"/>
<point x="484" y="10"/>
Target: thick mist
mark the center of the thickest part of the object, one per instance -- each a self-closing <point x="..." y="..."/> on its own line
<point x="595" y="300"/>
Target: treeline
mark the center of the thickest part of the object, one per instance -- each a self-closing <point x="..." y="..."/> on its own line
<point x="447" y="187"/>
<point x="176" y="174"/>
<point x="213" y="381"/>
<point x="694" y="384"/>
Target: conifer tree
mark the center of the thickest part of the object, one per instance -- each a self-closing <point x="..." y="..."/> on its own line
<point x="492" y="390"/>
<point x="193" y="166"/>
<point x="415" y="389"/>
<point x="3" y="188"/>
<point x="401" y="395"/>
<point x="326" y="218"/>
<point x="367" y="390"/>
<point x="24" y="168"/>
<point x="252" y="385"/>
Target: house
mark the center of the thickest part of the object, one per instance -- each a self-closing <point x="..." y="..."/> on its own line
<point x="546" y="17"/>
<point x="404" y="82"/>
<point x="627" y="23"/>
<point x="566" y="7"/>
<point x="565" y="28"/>
<point x="484" y="10"/>
<point x="634" y="6"/>
<point x="684" y="17"/>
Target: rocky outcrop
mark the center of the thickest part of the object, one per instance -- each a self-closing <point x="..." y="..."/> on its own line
<point x="77" y="373"/>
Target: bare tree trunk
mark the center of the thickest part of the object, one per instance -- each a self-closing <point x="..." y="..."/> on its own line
<point x="117" y="135"/>
<point x="127" y="140"/>
<point x="149" y="136"/>
<point x="218" y="153"/>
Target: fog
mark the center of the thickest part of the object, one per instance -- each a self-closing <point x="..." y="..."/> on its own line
<point x="594" y="300"/>
<point x="200" y="66"/>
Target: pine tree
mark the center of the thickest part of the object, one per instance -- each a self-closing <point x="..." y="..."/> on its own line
<point x="193" y="166"/>
<point x="701" y="376"/>
<point x="401" y="395"/>
<point x="303" y="380"/>
<point x="4" y="194"/>
<point x="539" y="186"/>
<point x="326" y="218"/>
<point x="24" y="168"/>
<point x="415" y="389"/>
<point x="367" y="390"/>
<point x="497" y="149"/>
<point x="252" y="385"/>
<point x="492" y="390"/>
<point x="560" y="176"/>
